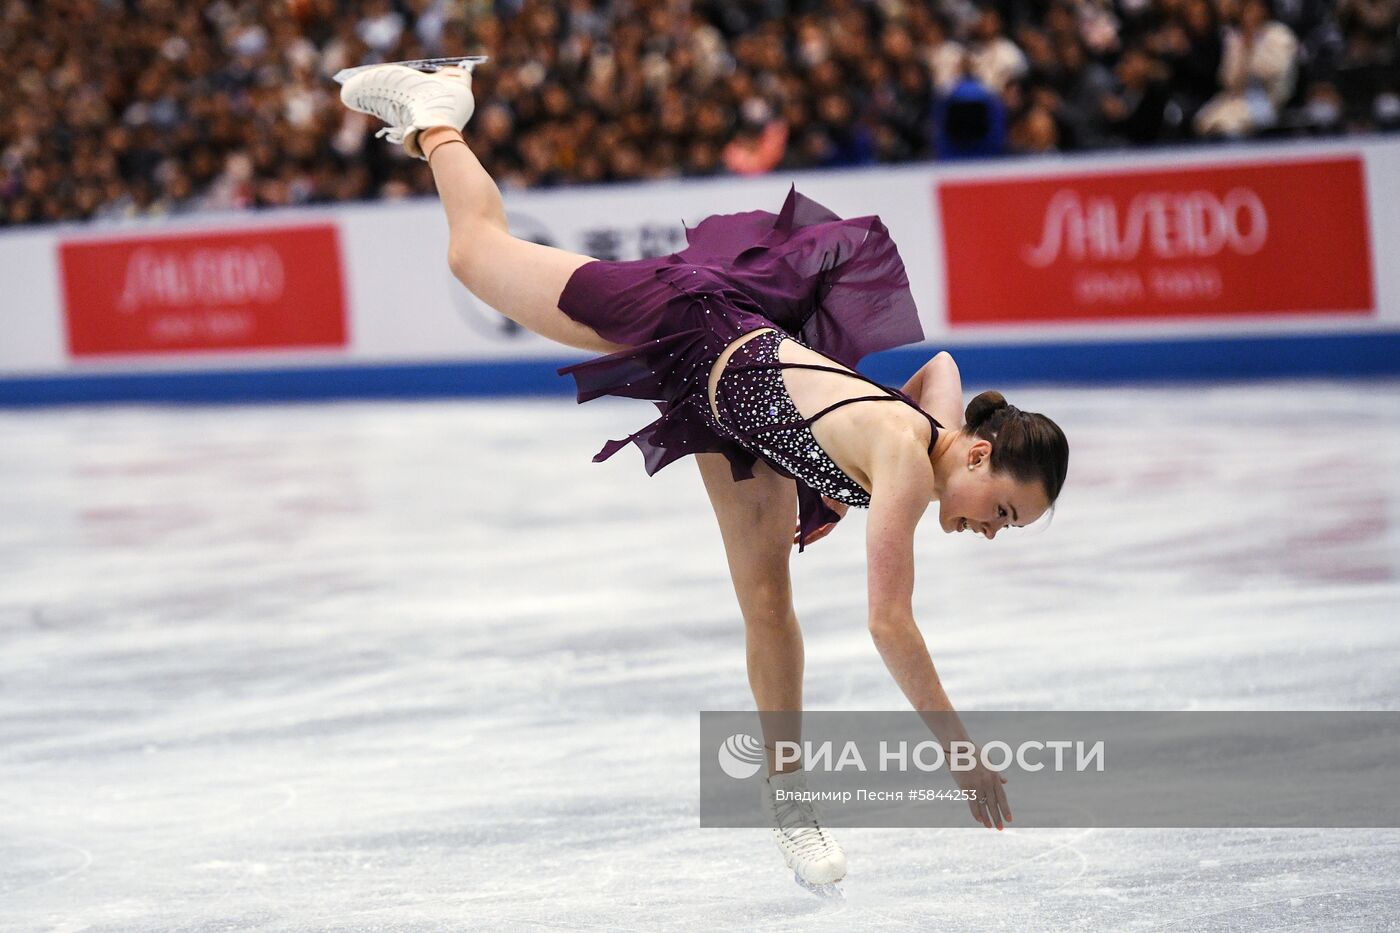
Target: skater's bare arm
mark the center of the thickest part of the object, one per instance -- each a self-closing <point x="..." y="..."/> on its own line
<point x="895" y="509"/>
<point x="937" y="387"/>
<point x="901" y="495"/>
<point x="903" y="486"/>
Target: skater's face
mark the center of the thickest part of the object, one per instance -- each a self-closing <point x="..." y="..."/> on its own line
<point x="982" y="501"/>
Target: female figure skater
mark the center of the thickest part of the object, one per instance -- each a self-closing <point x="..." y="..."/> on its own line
<point x="746" y="340"/>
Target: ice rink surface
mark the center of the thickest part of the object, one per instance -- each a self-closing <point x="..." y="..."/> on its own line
<point x="422" y="666"/>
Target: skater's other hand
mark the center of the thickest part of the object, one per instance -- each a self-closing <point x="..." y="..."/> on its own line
<point x="989" y="806"/>
<point x="817" y="535"/>
<point x="839" y="508"/>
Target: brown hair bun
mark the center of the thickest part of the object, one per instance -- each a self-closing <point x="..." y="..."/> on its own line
<point x="1025" y="444"/>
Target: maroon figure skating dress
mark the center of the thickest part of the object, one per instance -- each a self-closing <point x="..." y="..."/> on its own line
<point x="837" y="286"/>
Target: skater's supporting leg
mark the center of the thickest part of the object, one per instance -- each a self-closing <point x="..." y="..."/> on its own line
<point x="520" y="279"/>
<point x="756" y="517"/>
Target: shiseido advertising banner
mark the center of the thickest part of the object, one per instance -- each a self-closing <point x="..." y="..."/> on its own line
<point x="1255" y="238"/>
<point x="269" y="288"/>
<point x="1208" y="262"/>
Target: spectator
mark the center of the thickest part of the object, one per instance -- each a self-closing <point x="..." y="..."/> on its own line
<point x="942" y="56"/>
<point x="1083" y="85"/>
<point x="1368" y="72"/>
<point x="761" y="143"/>
<point x="1135" y="109"/>
<point x="1099" y="29"/>
<point x="1191" y="46"/>
<point x="995" y="59"/>
<point x="1035" y="131"/>
<point x="1257" y="71"/>
<point x="970" y="121"/>
<point x="1323" y="112"/>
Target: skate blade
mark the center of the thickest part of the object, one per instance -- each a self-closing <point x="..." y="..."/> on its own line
<point x="422" y="64"/>
<point x="827" y="892"/>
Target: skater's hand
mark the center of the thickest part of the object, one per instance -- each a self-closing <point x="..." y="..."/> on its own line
<point x="989" y="807"/>
<point x="838" y="507"/>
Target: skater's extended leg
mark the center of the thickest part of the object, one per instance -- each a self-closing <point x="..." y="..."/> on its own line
<point x="520" y="279"/>
<point x="755" y="520"/>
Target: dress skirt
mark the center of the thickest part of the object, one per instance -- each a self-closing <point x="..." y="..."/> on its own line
<point x="836" y="285"/>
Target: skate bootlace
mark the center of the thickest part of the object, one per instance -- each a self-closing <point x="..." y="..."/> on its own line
<point x="392" y="109"/>
<point x="808" y="837"/>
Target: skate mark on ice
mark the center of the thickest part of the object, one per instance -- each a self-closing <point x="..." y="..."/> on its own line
<point x="1067" y="844"/>
<point x="289" y="798"/>
<point x="87" y="861"/>
<point x="1083" y="869"/>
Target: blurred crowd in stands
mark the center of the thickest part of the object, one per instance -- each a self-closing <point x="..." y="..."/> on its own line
<point x="123" y="108"/>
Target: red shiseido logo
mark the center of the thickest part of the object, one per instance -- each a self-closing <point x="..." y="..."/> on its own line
<point x="258" y="289"/>
<point x="1210" y="241"/>
<point x="1168" y="224"/>
<point x="174" y="278"/>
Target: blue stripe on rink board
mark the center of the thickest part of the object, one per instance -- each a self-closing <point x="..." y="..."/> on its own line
<point x="1294" y="356"/>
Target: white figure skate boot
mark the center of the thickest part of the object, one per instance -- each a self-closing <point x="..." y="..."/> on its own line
<point x="410" y="101"/>
<point x="809" y="848"/>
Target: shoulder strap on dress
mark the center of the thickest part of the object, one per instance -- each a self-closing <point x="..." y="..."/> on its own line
<point x="934" y="426"/>
<point x="894" y="395"/>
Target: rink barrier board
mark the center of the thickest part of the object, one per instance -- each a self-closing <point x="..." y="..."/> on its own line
<point x="1183" y="360"/>
<point x="1132" y="281"/>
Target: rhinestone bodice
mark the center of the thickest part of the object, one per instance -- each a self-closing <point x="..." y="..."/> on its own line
<point x="756" y="412"/>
